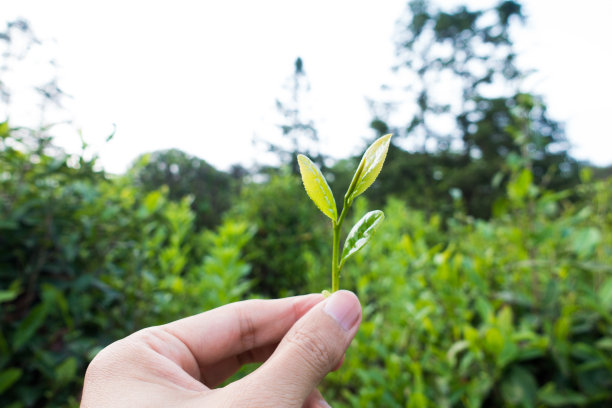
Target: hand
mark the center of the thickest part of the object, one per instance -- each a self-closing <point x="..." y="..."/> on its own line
<point x="301" y="339"/>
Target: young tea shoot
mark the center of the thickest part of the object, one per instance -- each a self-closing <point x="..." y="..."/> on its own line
<point x="318" y="190"/>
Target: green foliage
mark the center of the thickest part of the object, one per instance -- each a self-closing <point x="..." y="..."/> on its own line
<point x="458" y="312"/>
<point x="290" y="236"/>
<point x="86" y="259"/>
<point x="421" y="180"/>
<point x="512" y="308"/>
<point x="211" y="190"/>
<point x="461" y="68"/>
<point x="514" y="311"/>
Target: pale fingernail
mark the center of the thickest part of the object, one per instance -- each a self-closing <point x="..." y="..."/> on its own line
<point x="323" y="404"/>
<point x="343" y="306"/>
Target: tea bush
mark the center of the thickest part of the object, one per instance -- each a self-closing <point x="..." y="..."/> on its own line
<point x="457" y="312"/>
<point x="291" y="236"/>
<point x="213" y="191"/>
<point x="512" y="312"/>
<point x="86" y="259"/>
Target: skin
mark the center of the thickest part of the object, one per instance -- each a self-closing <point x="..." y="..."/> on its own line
<point x="299" y="339"/>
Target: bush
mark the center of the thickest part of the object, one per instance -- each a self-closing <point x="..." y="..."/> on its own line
<point x="86" y="259"/>
<point x="185" y="175"/>
<point x="291" y="234"/>
<point x="458" y="312"/>
<point x="511" y="312"/>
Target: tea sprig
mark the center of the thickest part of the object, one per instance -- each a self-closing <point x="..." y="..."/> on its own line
<point x="319" y="192"/>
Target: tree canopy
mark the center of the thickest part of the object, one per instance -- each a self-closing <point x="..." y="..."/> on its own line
<point x="465" y="121"/>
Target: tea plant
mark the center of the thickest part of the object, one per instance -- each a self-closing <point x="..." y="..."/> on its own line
<point x="86" y="259"/>
<point x="318" y="190"/>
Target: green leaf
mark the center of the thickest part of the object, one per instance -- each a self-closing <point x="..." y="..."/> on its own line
<point x="369" y="167"/>
<point x="8" y="295"/>
<point x="519" y="388"/>
<point x="455" y="349"/>
<point x="604" y="344"/>
<point x="605" y="293"/>
<point x="8" y="378"/>
<point x="29" y="325"/>
<point x="66" y="371"/>
<point x="317" y="188"/>
<point x="560" y="398"/>
<point x="4" y="129"/>
<point x="361" y="233"/>
<point x="585" y="241"/>
<point x="520" y="185"/>
<point x="493" y="341"/>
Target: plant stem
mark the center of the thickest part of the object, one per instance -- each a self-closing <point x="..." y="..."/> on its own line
<point x="336" y="265"/>
<point x="335" y="251"/>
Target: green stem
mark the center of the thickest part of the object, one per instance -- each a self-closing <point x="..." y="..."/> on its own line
<point x="335" y="251"/>
<point x="337" y="266"/>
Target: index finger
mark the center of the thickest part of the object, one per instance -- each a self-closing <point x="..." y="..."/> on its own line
<point x="235" y="328"/>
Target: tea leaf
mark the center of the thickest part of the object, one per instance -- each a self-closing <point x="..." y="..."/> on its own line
<point x="8" y="377"/>
<point x="317" y="188"/>
<point x="519" y="387"/>
<point x="361" y="233"/>
<point x="28" y="326"/>
<point x="369" y="167"/>
<point x="8" y="295"/>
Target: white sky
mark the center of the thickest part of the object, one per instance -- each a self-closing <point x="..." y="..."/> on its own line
<point x="204" y="76"/>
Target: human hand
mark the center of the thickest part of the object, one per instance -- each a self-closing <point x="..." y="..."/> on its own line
<point x="299" y="339"/>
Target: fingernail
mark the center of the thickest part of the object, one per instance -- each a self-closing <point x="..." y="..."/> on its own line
<point x="344" y="308"/>
<point x="323" y="404"/>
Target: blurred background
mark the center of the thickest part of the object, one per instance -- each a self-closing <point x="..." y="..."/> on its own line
<point x="148" y="172"/>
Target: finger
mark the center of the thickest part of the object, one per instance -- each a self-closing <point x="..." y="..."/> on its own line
<point x="315" y="400"/>
<point x="214" y="374"/>
<point x="235" y="328"/>
<point x="310" y="350"/>
<point x="337" y="367"/>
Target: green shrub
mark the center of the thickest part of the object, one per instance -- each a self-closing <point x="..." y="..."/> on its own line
<point x="290" y="236"/>
<point x="458" y="312"/>
<point x="511" y="312"/>
<point x="86" y="259"/>
<point x="186" y="175"/>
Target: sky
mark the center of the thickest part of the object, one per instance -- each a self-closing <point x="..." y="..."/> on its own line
<point x="204" y="76"/>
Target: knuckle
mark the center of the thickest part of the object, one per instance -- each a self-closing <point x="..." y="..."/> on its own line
<point x="247" y="329"/>
<point x="103" y="363"/>
<point x="123" y="351"/>
<point x="151" y="337"/>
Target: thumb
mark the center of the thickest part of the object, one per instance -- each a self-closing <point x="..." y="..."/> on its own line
<point x="312" y="348"/>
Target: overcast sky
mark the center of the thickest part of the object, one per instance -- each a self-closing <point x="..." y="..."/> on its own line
<point x="204" y="76"/>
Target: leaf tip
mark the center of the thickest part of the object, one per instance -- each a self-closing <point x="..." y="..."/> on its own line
<point x="370" y="165"/>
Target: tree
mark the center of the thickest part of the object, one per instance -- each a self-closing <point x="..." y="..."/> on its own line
<point x="16" y="42"/>
<point x="299" y="134"/>
<point x="467" y="114"/>
<point x="186" y="175"/>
